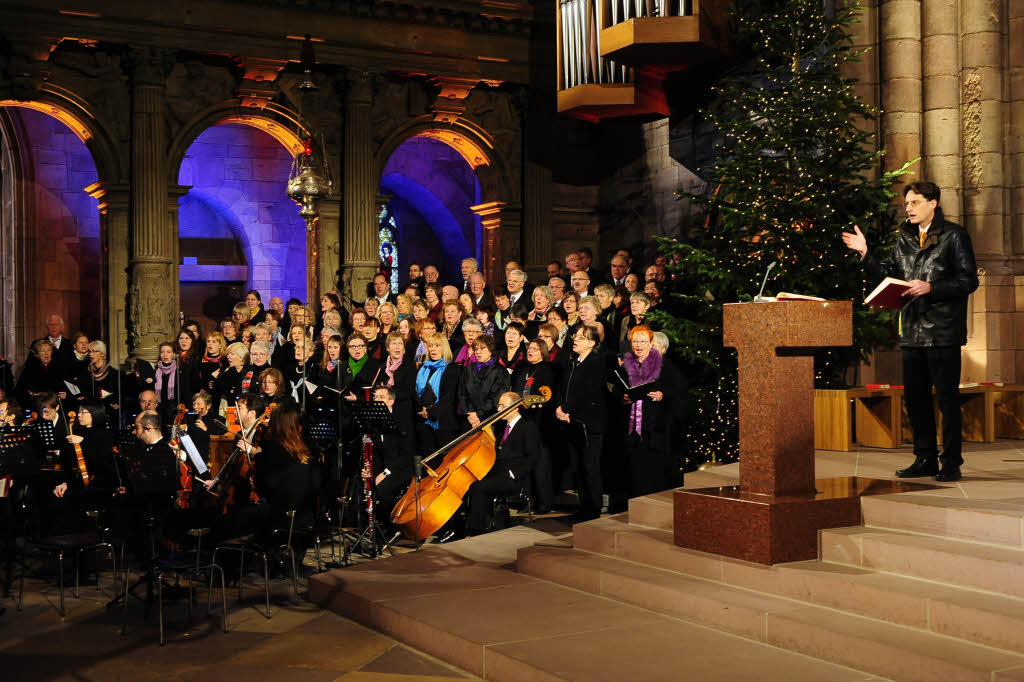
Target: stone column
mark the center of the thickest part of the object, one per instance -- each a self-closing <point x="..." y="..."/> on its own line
<point x="537" y="219"/>
<point x="940" y="57"/>
<point x="501" y="223"/>
<point x="174" y="194"/>
<point x="982" y="132"/>
<point x="1015" y="147"/>
<point x="360" y="186"/>
<point x="330" y="248"/>
<point x="1016" y="138"/>
<point x="114" y="209"/>
<point x="151" y="312"/>
<point x="490" y="220"/>
<point x="865" y="36"/>
<point x="900" y="66"/>
<point x="990" y="353"/>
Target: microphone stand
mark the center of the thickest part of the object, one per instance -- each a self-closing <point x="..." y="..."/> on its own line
<point x="759" y="298"/>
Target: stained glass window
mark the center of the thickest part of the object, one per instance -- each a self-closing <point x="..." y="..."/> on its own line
<point x="388" y="245"/>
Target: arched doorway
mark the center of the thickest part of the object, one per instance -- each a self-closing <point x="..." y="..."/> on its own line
<point x="237" y="228"/>
<point x="50" y="240"/>
<point x="431" y="188"/>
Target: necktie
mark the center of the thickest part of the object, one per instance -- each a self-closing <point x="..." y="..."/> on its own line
<point x="923" y="236"/>
<point x="508" y="430"/>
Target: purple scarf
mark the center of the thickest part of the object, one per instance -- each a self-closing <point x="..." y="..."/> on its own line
<point x="466" y="356"/>
<point x="640" y="373"/>
<point x="168" y="371"/>
<point x="480" y="365"/>
<point x="391" y="366"/>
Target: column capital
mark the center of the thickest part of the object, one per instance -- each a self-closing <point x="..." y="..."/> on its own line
<point x="149" y="65"/>
<point x="359" y="87"/>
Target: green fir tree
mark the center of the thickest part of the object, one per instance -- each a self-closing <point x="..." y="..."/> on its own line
<point x="792" y="169"/>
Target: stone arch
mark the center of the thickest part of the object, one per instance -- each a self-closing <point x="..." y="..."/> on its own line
<point x="279" y="122"/>
<point x="472" y="142"/>
<point x="58" y="269"/>
<point x="76" y="115"/>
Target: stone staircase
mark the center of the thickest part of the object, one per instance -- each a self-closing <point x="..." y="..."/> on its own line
<point x="930" y="588"/>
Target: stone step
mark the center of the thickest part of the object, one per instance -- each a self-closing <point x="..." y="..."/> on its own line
<point x="992" y="619"/>
<point x="866" y="644"/>
<point x="994" y="522"/>
<point x="654" y="510"/>
<point x="507" y="626"/>
<point x="956" y="563"/>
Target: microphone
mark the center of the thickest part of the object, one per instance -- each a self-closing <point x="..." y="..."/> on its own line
<point x="417" y="466"/>
<point x="759" y="297"/>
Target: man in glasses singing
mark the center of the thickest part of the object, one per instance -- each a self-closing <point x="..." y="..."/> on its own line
<point x="937" y="258"/>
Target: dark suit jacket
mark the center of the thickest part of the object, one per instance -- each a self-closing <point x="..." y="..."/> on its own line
<point x="520" y="451"/>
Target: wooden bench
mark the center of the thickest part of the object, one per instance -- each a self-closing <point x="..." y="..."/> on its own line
<point x="988" y="412"/>
<point x="876" y="413"/>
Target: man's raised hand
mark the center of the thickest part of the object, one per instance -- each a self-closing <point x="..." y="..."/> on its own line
<point x="856" y="241"/>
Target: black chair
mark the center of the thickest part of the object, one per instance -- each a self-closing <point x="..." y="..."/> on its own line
<point x="75" y="544"/>
<point x="502" y="505"/>
<point x="182" y="564"/>
<point x="262" y="549"/>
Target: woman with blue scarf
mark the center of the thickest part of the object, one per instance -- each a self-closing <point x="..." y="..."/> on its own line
<point x="482" y="383"/>
<point x="437" y="386"/>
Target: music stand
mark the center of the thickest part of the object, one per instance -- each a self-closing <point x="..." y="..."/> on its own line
<point x="17" y="456"/>
<point x="374" y="419"/>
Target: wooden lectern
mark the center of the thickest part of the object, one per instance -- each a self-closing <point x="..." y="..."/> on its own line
<point x="776" y="511"/>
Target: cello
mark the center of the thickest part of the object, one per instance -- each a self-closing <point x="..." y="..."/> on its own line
<point x="430" y="502"/>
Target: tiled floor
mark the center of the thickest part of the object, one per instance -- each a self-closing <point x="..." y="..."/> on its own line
<point x="300" y="642"/>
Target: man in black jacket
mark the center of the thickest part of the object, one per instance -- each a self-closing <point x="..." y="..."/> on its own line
<point x="937" y="258"/>
<point x="518" y="446"/>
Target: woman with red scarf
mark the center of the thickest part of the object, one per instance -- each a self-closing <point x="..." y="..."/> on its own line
<point x="652" y="415"/>
<point x="211" y="366"/>
<point x="239" y="377"/>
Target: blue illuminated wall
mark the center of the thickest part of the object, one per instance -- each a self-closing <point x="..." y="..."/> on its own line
<point x="236" y="221"/>
<point x="432" y="188"/>
<point x="62" y="244"/>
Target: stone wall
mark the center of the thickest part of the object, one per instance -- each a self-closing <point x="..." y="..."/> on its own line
<point x="239" y="174"/>
<point x="62" y="242"/>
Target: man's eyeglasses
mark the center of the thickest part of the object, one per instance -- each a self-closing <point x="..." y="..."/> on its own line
<point x="914" y="204"/>
<point x="356" y="346"/>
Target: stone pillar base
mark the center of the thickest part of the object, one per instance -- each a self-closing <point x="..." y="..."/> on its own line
<point x="355" y="278"/>
<point x="151" y="312"/>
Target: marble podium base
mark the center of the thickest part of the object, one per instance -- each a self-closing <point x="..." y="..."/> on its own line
<point x="770" y="529"/>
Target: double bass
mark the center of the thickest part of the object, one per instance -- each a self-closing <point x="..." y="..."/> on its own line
<point x="429" y="503"/>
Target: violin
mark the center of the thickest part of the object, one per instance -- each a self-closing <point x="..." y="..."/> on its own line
<point x="238" y="467"/>
<point x="78" y="450"/>
<point x="428" y="504"/>
<point x="184" y="499"/>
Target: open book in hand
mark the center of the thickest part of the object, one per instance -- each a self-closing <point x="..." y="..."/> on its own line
<point x="889" y="294"/>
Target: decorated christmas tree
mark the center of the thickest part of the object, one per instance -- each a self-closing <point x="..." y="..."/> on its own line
<point x="794" y="166"/>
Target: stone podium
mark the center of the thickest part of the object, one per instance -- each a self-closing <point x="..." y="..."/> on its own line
<point x="776" y="511"/>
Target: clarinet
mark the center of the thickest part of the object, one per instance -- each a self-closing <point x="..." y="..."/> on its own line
<point x="368" y="479"/>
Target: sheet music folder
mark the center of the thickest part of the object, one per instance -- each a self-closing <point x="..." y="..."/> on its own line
<point x="635" y="393"/>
